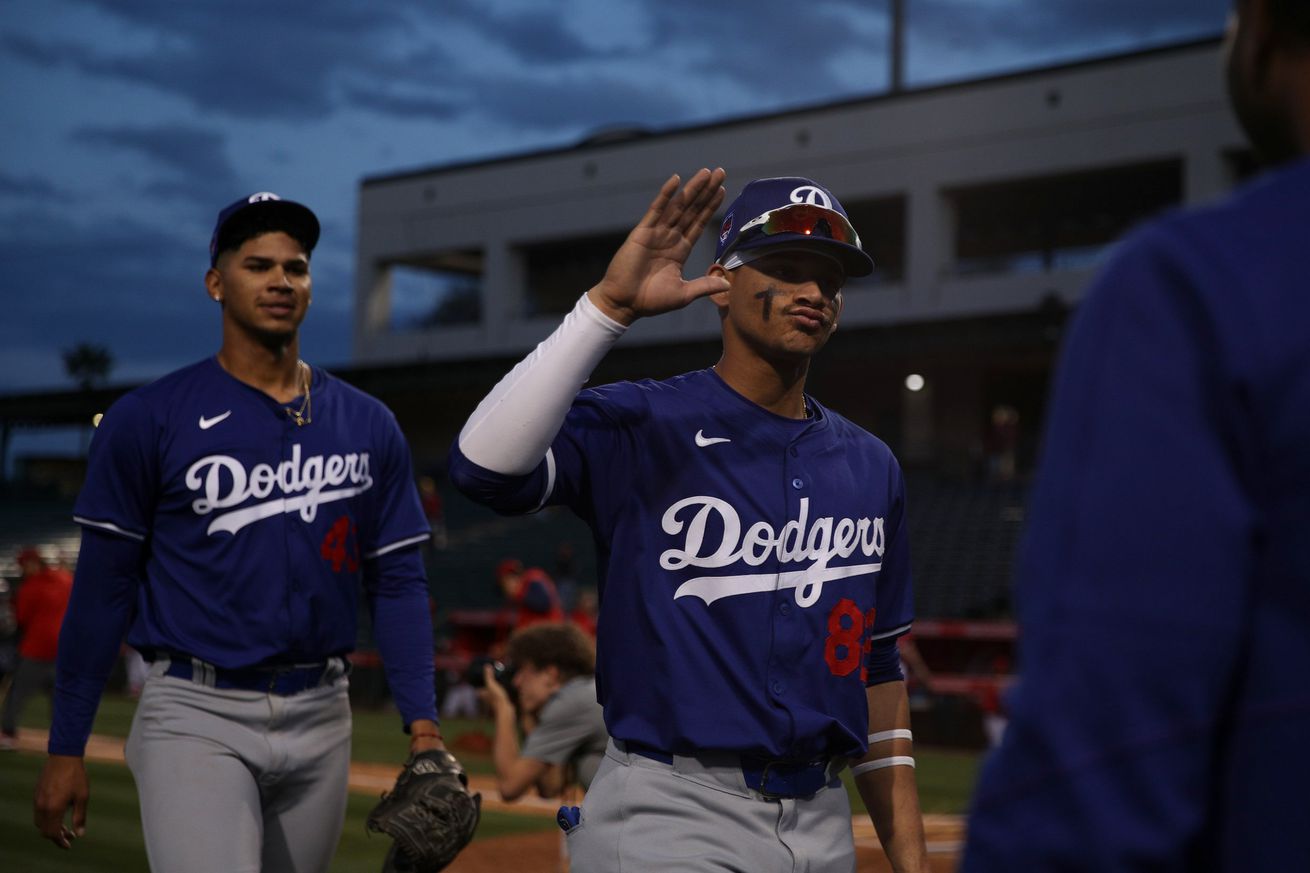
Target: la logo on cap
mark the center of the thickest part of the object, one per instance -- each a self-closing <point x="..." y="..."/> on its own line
<point x="269" y="195"/>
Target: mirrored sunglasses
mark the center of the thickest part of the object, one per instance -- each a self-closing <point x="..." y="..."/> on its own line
<point x="799" y="218"/>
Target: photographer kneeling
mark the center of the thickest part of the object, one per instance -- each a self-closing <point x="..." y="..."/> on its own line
<point x="554" y="680"/>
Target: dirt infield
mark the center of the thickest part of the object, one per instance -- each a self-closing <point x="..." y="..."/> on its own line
<point x="543" y="852"/>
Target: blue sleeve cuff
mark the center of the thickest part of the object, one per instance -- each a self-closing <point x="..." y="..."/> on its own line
<point x="883" y="662"/>
<point x="508" y="495"/>
<point x="397" y="590"/>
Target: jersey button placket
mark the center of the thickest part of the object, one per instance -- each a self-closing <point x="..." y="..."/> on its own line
<point x="783" y="641"/>
<point x="292" y="531"/>
<point x="789" y="620"/>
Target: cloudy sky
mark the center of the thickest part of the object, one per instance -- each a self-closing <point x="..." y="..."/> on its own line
<point x="127" y="124"/>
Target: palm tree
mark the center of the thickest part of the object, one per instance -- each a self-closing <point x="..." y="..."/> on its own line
<point x="88" y="365"/>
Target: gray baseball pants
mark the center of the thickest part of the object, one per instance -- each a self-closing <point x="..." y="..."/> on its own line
<point x="698" y="816"/>
<point x="240" y="781"/>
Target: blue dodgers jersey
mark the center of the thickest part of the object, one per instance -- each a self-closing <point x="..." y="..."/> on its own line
<point x="746" y="560"/>
<point x="255" y="529"/>
<point x="1161" y="716"/>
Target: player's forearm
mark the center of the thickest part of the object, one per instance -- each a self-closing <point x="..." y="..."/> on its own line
<point x="885" y="777"/>
<point x="398" y="594"/>
<point x="892" y="799"/>
<point x="99" y="612"/>
<point x="513" y="426"/>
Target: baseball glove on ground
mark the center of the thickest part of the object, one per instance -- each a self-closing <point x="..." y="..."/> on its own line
<point x="430" y="814"/>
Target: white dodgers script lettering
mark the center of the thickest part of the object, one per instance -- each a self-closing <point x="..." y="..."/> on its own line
<point x="801" y="541"/>
<point x="301" y="486"/>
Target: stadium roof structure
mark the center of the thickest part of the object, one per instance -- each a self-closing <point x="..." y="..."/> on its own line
<point x="608" y="137"/>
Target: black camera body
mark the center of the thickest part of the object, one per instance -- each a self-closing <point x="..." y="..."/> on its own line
<point x="474" y="674"/>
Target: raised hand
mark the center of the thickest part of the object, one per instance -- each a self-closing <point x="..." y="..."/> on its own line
<point x="645" y="276"/>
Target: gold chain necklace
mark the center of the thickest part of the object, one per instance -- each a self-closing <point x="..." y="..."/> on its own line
<point x="301" y="416"/>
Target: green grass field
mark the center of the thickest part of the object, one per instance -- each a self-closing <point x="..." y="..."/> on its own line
<point x="377" y="737"/>
<point x="113" y="843"/>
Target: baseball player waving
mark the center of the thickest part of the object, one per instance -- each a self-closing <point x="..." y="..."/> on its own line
<point x="231" y="512"/>
<point x="754" y="573"/>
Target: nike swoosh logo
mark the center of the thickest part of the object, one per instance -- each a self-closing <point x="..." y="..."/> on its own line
<point x="207" y="423"/>
<point x="702" y="440"/>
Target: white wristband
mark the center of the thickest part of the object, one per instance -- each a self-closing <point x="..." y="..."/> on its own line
<point x="880" y="763"/>
<point x="898" y="734"/>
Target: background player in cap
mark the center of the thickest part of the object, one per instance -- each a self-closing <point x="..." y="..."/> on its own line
<point x="231" y="511"/>
<point x="752" y="544"/>
<point x="1162" y="714"/>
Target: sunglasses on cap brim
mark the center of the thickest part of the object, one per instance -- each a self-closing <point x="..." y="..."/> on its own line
<point x="803" y="219"/>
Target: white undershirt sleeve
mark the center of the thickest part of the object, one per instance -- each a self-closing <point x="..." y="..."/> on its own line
<point x="512" y="428"/>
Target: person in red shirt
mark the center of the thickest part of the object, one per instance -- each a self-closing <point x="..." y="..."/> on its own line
<point x="530" y="598"/>
<point x="585" y="611"/>
<point x="39" y="608"/>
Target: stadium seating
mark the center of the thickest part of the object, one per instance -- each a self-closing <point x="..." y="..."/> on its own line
<point x="43" y="522"/>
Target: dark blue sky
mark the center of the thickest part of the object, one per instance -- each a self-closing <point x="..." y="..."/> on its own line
<point x="127" y="124"/>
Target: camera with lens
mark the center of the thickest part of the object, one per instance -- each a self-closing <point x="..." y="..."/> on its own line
<point x="474" y="675"/>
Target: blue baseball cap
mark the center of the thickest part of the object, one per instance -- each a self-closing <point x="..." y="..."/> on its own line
<point x="792" y="211"/>
<point x="273" y="212"/>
